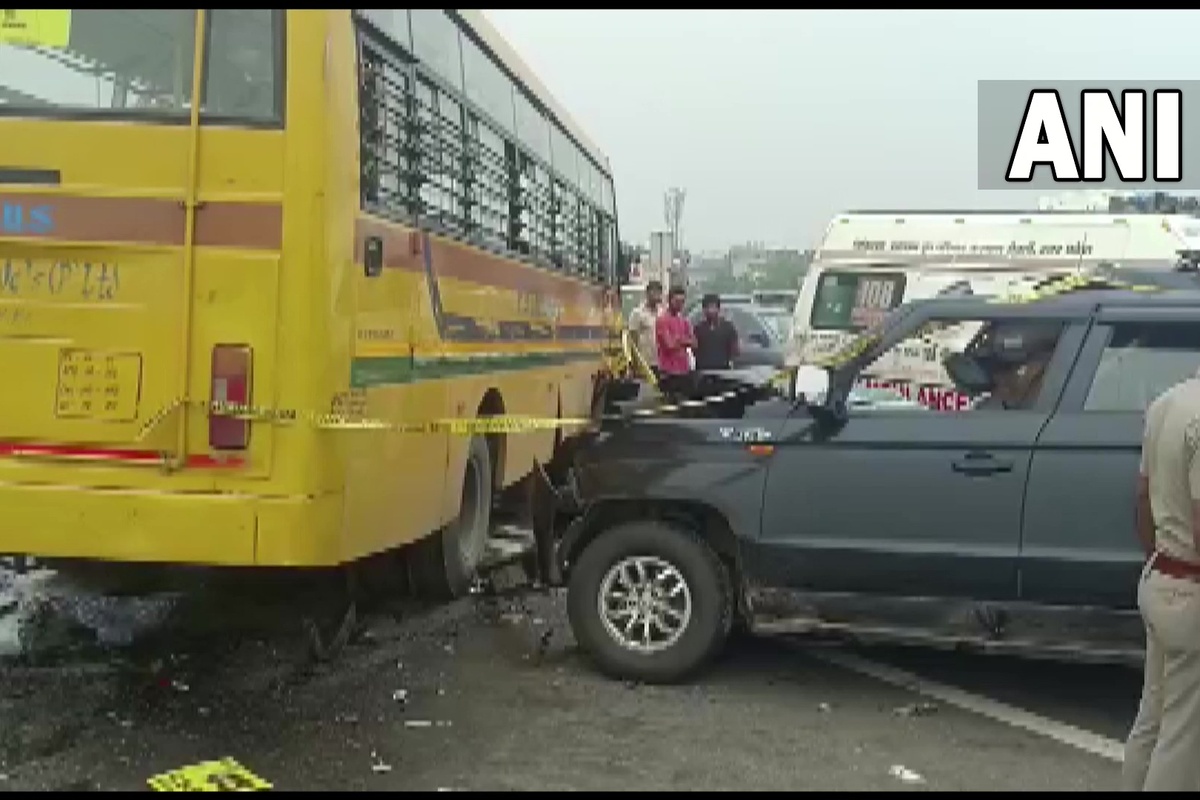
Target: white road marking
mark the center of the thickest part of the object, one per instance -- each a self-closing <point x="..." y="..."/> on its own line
<point x="993" y="709"/>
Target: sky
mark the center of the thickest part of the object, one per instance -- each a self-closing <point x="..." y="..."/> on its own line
<point x="774" y="121"/>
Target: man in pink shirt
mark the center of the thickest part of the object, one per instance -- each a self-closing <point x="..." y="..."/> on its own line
<point x="675" y="341"/>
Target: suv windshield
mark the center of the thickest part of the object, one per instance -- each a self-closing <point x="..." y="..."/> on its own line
<point x="87" y="62"/>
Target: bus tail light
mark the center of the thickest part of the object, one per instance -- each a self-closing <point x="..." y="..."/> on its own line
<point x="231" y="371"/>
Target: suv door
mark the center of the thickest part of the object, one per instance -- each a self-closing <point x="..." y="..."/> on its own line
<point x="907" y="501"/>
<point x="1078" y="544"/>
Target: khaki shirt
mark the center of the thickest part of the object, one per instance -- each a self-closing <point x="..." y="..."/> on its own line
<point x="642" y="322"/>
<point x="1169" y="460"/>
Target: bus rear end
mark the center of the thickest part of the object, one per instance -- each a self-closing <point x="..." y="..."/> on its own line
<point x="141" y="246"/>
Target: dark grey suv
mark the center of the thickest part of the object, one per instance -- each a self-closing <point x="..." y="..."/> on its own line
<point x="1007" y="526"/>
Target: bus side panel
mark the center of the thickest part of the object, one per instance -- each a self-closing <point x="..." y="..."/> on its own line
<point x="324" y="166"/>
<point x="392" y="477"/>
<point x="534" y="392"/>
<point x="426" y="342"/>
<point x="490" y="371"/>
<point x="301" y="524"/>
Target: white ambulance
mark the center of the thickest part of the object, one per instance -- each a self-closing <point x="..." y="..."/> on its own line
<point x="868" y="263"/>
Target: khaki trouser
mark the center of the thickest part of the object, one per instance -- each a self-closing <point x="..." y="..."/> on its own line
<point x="1163" y="750"/>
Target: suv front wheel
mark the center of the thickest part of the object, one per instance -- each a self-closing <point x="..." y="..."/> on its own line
<point x="649" y="601"/>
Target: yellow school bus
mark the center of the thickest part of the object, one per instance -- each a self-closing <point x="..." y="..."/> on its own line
<point x="373" y="215"/>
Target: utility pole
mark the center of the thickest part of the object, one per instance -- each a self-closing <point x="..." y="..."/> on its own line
<point x="673" y="216"/>
<point x="673" y="212"/>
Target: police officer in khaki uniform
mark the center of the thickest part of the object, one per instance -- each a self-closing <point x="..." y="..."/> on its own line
<point x="1163" y="751"/>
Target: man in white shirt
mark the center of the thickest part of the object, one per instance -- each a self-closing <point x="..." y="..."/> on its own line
<point x="643" y="323"/>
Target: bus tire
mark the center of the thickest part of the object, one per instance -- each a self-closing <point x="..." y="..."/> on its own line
<point x="702" y="609"/>
<point x="446" y="564"/>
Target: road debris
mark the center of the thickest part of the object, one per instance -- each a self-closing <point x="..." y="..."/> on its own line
<point x="321" y="733"/>
<point x="22" y="608"/>
<point x="39" y="609"/>
<point x="117" y="621"/>
<point x="916" y="710"/>
<point x="543" y="643"/>
<point x="427" y="723"/>
<point x="120" y="721"/>
<point x="905" y="775"/>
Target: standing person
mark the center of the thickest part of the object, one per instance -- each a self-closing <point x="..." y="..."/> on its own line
<point x="1163" y="750"/>
<point x="675" y="346"/>
<point x="716" y="338"/>
<point x="642" y="324"/>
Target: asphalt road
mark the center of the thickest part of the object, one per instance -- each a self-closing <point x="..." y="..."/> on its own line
<point x="1096" y="698"/>
<point x="491" y="694"/>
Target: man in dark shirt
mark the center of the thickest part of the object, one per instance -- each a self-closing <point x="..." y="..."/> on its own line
<point x="716" y="338"/>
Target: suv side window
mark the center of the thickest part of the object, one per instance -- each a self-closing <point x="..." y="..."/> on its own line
<point x="1140" y="362"/>
<point x="914" y="369"/>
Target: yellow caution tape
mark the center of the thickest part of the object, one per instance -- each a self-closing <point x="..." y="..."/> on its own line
<point x="1070" y="283"/>
<point x="629" y="360"/>
<point x="624" y="359"/>
<point x="284" y="417"/>
<point x="226" y="775"/>
<point x="635" y="356"/>
<point x="500" y="424"/>
<point x="853" y="349"/>
<point x="682" y="405"/>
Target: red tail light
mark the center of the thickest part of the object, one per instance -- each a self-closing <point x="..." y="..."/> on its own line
<point x="231" y="365"/>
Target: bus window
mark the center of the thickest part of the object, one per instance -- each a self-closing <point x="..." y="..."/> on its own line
<point x="852" y="301"/>
<point x="138" y="63"/>
<point x="244" y="66"/>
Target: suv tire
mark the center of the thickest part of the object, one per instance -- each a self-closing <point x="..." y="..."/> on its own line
<point x="662" y="563"/>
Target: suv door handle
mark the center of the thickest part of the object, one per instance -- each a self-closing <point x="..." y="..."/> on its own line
<point x="981" y="464"/>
